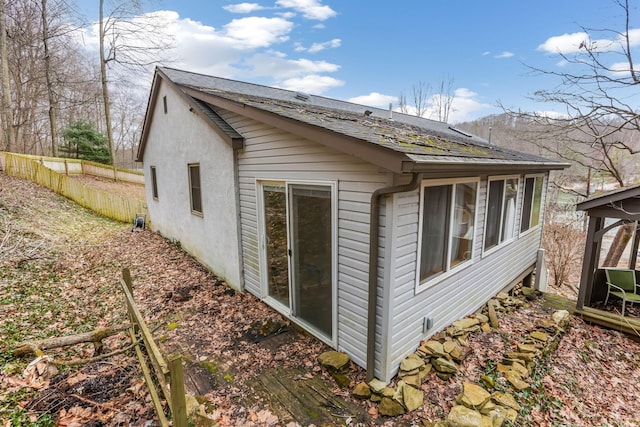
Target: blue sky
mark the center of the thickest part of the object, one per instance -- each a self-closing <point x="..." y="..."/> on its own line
<point x="370" y="52"/>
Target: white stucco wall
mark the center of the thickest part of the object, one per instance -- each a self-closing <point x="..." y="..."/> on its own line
<point x="176" y="139"/>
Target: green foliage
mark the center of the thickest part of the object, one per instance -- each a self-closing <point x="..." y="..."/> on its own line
<point x="11" y="411"/>
<point x="83" y="141"/>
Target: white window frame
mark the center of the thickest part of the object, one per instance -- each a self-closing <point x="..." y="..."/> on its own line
<point x="421" y="286"/>
<point x="515" y="227"/>
<point x="540" y="213"/>
<point x="191" y="207"/>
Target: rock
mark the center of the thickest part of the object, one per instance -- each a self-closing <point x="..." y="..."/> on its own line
<point x="412" y="398"/>
<point x="516" y="381"/>
<point x="334" y="360"/>
<point x="527" y="357"/>
<point x="525" y="348"/>
<point x="388" y="392"/>
<point x="485" y="327"/>
<point x="375" y="397"/>
<point x="403" y="374"/>
<point x="445" y="366"/>
<point x="362" y="391"/>
<point x="342" y="380"/>
<point x="498" y="415"/>
<point x="512" y="415"/>
<point x="520" y="369"/>
<point x="493" y="317"/>
<point x="191" y="404"/>
<point x="466" y="323"/>
<point x="461" y="416"/>
<point x="449" y="346"/>
<point x="561" y="317"/>
<point x="488" y="407"/>
<point x="413" y="380"/>
<point x="390" y="408"/>
<point x="530" y="293"/>
<point x="377" y="386"/>
<point x="481" y="317"/>
<point x="540" y="336"/>
<point x="435" y="348"/>
<point x="444" y="376"/>
<point x="411" y="362"/>
<point x="505" y="399"/>
<point x="487" y="381"/>
<point x="473" y="396"/>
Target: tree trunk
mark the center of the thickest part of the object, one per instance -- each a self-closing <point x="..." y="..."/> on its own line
<point x="53" y="107"/>
<point x="94" y="337"/>
<point x="619" y="243"/>
<point x="105" y="89"/>
<point x="7" y="112"/>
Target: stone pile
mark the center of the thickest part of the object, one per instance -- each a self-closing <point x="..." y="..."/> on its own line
<point x="476" y="407"/>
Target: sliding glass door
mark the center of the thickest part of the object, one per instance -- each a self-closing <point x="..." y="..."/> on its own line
<point x="298" y="251"/>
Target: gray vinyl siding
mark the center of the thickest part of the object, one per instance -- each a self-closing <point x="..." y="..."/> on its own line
<point x="271" y="154"/>
<point x="458" y="295"/>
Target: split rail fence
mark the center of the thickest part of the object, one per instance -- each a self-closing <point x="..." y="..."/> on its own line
<point x="53" y="173"/>
<point x="168" y="377"/>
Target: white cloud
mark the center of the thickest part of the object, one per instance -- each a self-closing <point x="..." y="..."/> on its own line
<point x="505" y="54"/>
<point x="243" y="7"/>
<point x="277" y="64"/>
<point x="331" y="44"/>
<point x="311" y="83"/>
<point x="375" y="99"/>
<point x="253" y="32"/>
<point x="465" y="106"/>
<point x="310" y="9"/>
<point x="566" y="43"/>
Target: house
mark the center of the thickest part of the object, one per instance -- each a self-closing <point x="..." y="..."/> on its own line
<point x="606" y="212"/>
<point x="368" y="228"/>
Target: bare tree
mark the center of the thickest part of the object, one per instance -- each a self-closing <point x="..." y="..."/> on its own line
<point x="131" y="39"/>
<point x="443" y="100"/>
<point x="7" y="111"/>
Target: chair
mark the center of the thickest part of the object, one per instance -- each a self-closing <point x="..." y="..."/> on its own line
<point x="624" y="285"/>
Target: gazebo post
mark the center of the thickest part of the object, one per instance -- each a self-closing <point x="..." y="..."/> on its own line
<point x="589" y="262"/>
<point x="633" y="257"/>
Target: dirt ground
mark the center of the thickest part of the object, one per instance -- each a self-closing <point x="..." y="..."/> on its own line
<point x="59" y="270"/>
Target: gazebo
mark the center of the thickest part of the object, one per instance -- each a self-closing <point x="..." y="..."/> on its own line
<point x="606" y="212"/>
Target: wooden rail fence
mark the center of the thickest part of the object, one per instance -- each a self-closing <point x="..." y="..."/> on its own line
<point x="168" y="378"/>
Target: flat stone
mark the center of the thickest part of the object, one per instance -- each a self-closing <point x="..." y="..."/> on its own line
<point x="526" y="348"/>
<point x="424" y="371"/>
<point x="516" y="381"/>
<point x="362" y="391"/>
<point x="412" y="398"/>
<point x="461" y="416"/>
<point x="498" y="415"/>
<point x="377" y="386"/>
<point x="466" y="323"/>
<point x="501" y="367"/>
<point x="561" y="317"/>
<point x="411" y="362"/>
<point x="413" y="380"/>
<point x="485" y="327"/>
<point x="488" y="407"/>
<point x="505" y="399"/>
<point x="527" y="357"/>
<point x="334" y="360"/>
<point x="473" y="396"/>
<point x="435" y="348"/>
<point x="443" y="365"/>
<point x="388" y="392"/>
<point x="444" y="376"/>
<point x="520" y="369"/>
<point x="390" y="407"/>
<point x="540" y="336"/>
<point x="375" y="397"/>
<point x="481" y="317"/>
<point x="512" y="415"/>
<point x="449" y="346"/>
<point x="403" y="374"/>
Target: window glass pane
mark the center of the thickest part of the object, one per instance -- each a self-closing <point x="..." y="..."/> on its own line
<point x="194" y="179"/>
<point x="526" y="204"/>
<point x="537" y="201"/>
<point x="154" y="183"/>
<point x="435" y="224"/>
<point x="275" y="223"/>
<point x="462" y="228"/>
<point x="494" y="213"/>
<point x="509" y="211"/>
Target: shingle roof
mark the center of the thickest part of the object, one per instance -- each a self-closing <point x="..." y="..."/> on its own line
<point x="420" y="139"/>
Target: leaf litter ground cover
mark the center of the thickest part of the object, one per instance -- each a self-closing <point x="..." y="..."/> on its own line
<point x="59" y="270"/>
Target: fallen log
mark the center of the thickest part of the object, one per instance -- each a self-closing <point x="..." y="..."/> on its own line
<point x="94" y="337"/>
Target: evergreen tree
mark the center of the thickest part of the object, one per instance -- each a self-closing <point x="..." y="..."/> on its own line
<point x="83" y="141"/>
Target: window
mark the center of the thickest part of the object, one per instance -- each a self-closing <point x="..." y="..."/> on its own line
<point x="501" y="211"/>
<point x="194" y="184"/>
<point x="447" y="216"/>
<point x="154" y="183"/>
<point x="164" y="103"/>
<point x="531" y="205"/>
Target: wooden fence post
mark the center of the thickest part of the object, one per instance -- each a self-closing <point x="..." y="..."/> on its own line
<point x="178" y="404"/>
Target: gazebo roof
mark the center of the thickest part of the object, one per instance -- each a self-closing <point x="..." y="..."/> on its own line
<point x="623" y="203"/>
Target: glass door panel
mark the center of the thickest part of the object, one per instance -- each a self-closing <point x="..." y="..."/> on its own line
<point x="275" y="219"/>
<point x="311" y="230"/>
